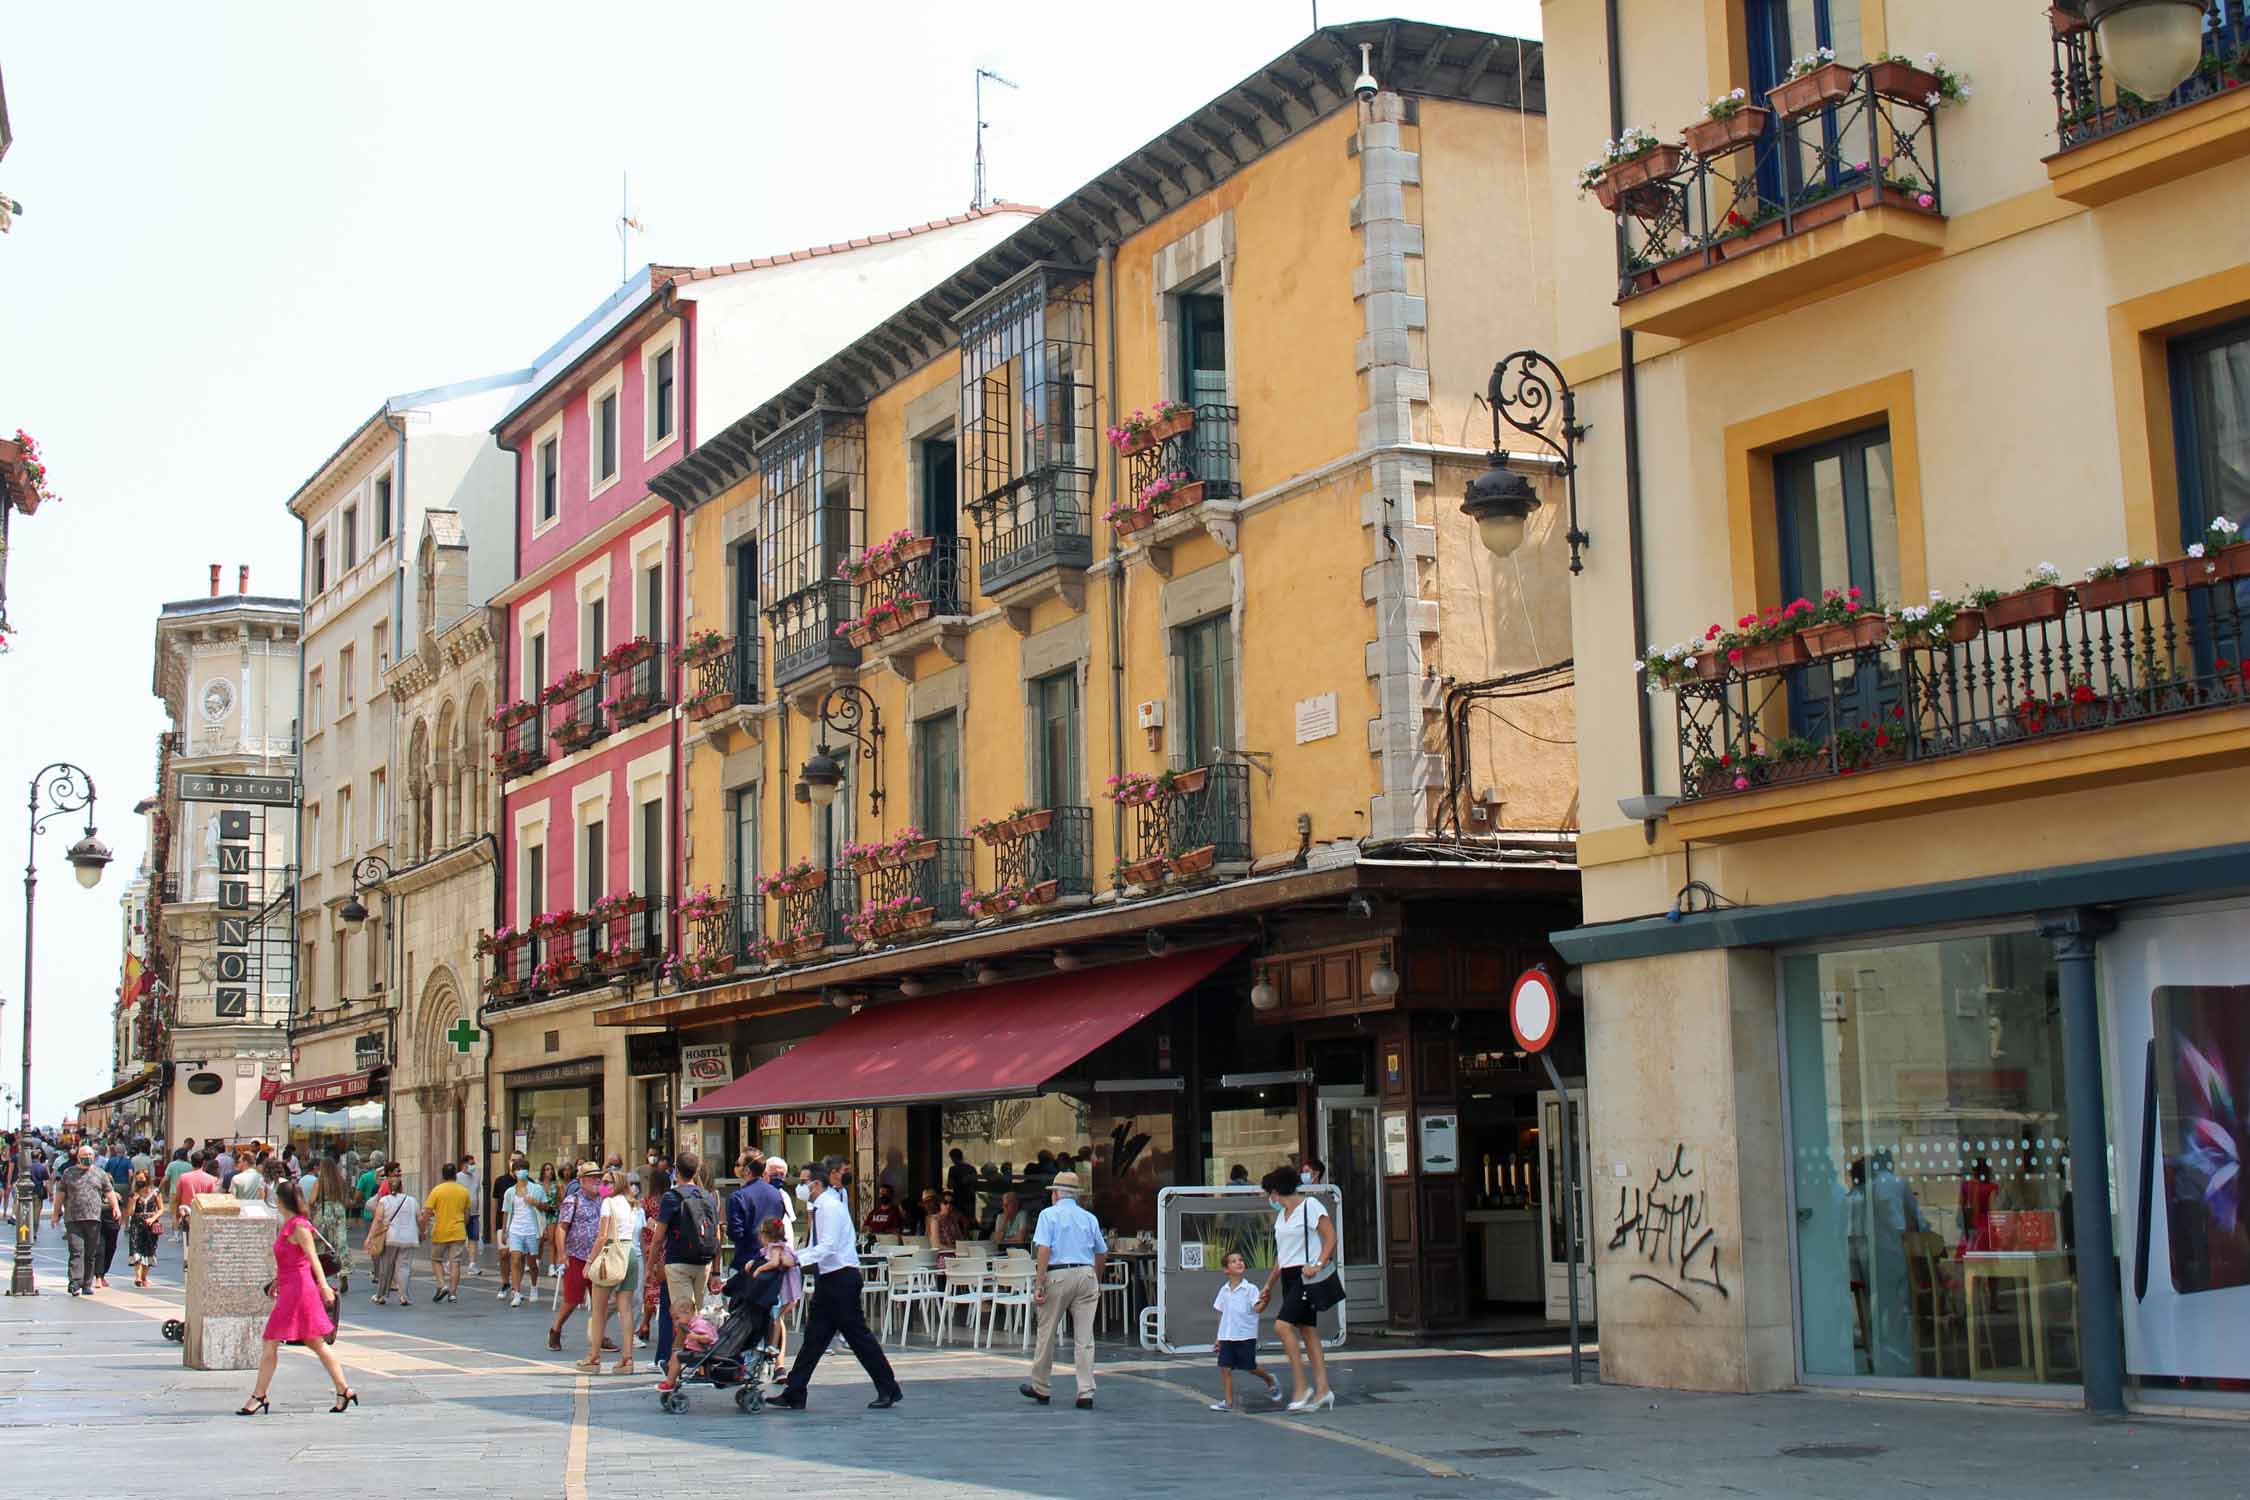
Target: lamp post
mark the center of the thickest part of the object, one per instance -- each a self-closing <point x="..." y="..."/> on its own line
<point x="370" y="874"/>
<point x="1522" y="393"/>
<point x="847" y="710"/>
<point x="66" y="789"/>
<point x="2150" y="46"/>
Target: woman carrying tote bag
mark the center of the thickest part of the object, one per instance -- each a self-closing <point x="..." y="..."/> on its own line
<point x="1305" y="1265"/>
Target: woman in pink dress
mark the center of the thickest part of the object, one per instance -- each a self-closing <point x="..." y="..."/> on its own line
<point x="302" y="1298"/>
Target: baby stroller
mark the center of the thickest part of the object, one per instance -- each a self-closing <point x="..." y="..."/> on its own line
<point x="737" y="1354"/>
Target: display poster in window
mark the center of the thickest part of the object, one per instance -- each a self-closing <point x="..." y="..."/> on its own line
<point x="1441" y="1143"/>
<point x="1395" y="1160"/>
<point x="2177" y="1028"/>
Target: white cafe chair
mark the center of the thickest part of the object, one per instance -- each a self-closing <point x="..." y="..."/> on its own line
<point x="966" y="1284"/>
<point x="912" y="1287"/>
<point x="886" y="1239"/>
<point x="1117" y="1285"/>
<point x="1010" y="1296"/>
<point x="874" y="1286"/>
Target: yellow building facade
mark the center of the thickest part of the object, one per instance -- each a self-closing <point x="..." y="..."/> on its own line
<point x="936" y="586"/>
<point x="1892" y="941"/>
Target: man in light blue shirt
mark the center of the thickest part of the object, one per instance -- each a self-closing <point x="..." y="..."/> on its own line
<point x="833" y="1258"/>
<point x="1071" y="1255"/>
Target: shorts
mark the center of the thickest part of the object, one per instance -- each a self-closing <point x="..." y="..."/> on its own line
<point x="476" y="1229"/>
<point x="574" y="1282"/>
<point x="1238" y="1354"/>
<point x="686" y="1284"/>
<point x="448" y="1252"/>
<point x="524" y="1244"/>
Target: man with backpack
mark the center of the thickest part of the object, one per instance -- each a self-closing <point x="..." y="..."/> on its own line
<point x="690" y="1218"/>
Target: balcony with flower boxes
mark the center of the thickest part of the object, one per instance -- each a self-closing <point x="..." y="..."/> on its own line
<point x="620" y="940"/>
<point x="1188" y="825"/>
<point x="802" y="912"/>
<point x="574" y="702"/>
<point x="1831" y="178"/>
<point x="812" y="632"/>
<point x="2136" y="670"/>
<point x="2111" y="142"/>
<point x="907" y="886"/>
<point x="1042" y="857"/>
<point x="636" y="681"/>
<point x="521" y="738"/>
<point x="711" y="938"/>
<point x="1183" y="468"/>
<point x="719" y="686"/>
<point x="914" y="597"/>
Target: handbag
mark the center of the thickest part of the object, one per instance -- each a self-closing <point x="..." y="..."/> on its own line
<point x="379" y="1233"/>
<point x="609" y="1265"/>
<point x="331" y="1264"/>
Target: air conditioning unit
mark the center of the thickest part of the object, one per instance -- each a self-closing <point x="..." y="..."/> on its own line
<point x="1151" y="714"/>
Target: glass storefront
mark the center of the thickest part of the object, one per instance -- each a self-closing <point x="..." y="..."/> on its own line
<point x="558" y="1124"/>
<point x="1251" y="1132"/>
<point x="1928" y="1120"/>
<point x="341" y="1125"/>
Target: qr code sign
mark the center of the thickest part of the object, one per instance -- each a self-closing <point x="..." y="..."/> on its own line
<point x="1191" y="1256"/>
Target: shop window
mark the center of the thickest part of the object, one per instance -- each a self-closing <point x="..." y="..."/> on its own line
<point x="1014" y="1146"/>
<point x="2211" y="420"/>
<point x="1929" y="1125"/>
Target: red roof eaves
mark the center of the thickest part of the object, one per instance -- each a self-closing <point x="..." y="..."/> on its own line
<point x="705" y="273"/>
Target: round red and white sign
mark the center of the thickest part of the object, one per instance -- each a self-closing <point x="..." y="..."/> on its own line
<point x="1533" y="1008"/>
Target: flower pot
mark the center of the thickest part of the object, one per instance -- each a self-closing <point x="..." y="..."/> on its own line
<point x="1605" y="193"/>
<point x="1188" y="783"/>
<point x="1156" y="432"/>
<point x="1847" y="635"/>
<point x="2066" y="22"/>
<point x="912" y="615"/>
<point x="1709" y="138"/>
<point x="1042" y="893"/>
<point x="505" y="987"/>
<point x="915" y="920"/>
<point x="2213" y="567"/>
<point x="1710" y="666"/>
<point x="861" y="634"/>
<point x="1768" y="656"/>
<point x="1034" y="822"/>
<point x="2133" y="584"/>
<point x="1902" y="81"/>
<point x="2027" y="606"/>
<point x="1826" y="211"/>
<point x="1144" y="871"/>
<point x="914" y="854"/>
<point x="1186" y="497"/>
<point x="910" y="552"/>
<point x="1132" y="521"/>
<point x="1891" y="197"/>
<point x="1195" y="861"/>
<point x="1753" y="240"/>
<point x="1817" y="90"/>
<point x="631" y="655"/>
<point x="1965" y="626"/>
<point x="1654" y="165"/>
<point x="710" y="704"/>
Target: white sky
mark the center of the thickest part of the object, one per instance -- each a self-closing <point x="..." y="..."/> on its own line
<point x="247" y="224"/>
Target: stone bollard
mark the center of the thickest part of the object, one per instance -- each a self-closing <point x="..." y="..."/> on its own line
<point x="229" y="1262"/>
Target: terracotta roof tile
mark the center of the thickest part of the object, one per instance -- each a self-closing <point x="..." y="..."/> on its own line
<point x="705" y="273"/>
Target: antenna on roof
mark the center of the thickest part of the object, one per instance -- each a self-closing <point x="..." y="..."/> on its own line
<point x="977" y="198"/>
<point x="627" y="226"/>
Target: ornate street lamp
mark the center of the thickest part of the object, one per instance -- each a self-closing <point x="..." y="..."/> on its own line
<point x="2150" y="47"/>
<point x="369" y="874"/>
<point x="67" y="789"/>
<point x="847" y="710"/>
<point x="1522" y="394"/>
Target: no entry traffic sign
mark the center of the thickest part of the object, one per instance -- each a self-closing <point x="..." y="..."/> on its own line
<point x="1532" y="1009"/>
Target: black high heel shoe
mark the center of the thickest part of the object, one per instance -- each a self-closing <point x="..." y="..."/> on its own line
<point x="347" y="1399"/>
<point x="255" y="1407"/>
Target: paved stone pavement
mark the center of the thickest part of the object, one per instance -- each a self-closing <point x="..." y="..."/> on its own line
<point x="464" y="1399"/>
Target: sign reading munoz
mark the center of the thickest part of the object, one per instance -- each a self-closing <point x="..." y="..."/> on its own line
<point x="233" y="973"/>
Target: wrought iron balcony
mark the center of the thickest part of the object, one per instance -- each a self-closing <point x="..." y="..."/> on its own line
<point x="2090" y="107"/>
<point x="1197" y="458"/>
<point x="1043" y="519"/>
<point x="523" y="746"/>
<point x="723" y="677"/>
<point x="930" y="582"/>
<point x="509" y="973"/>
<point x="1041" y="857"/>
<point x="2077" y="670"/>
<point x="639" y="686"/>
<point x="1864" y="140"/>
<point x="805" y="630"/>
<point x="575" y="703"/>
<point x="627" y="943"/>
<point x="1203" y="820"/>
<point x="748" y="924"/>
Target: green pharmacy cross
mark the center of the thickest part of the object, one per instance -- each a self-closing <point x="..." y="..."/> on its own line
<point x="464" y="1036"/>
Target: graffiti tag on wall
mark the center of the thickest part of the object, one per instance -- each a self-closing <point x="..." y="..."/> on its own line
<point x="1667" y="1226"/>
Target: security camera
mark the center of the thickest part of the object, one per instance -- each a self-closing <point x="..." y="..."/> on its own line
<point x="1365" y="85"/>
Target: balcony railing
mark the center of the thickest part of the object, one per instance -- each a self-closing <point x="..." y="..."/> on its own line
<point x="746" y="923"/>
<point x="2090" y="107"/>
<point x="1043" y="519"/>
<point x="725" y="679"/>
<point x="619" y="949"/>
<point x="1202" y="461"/>
<point x="1060" y="855"/>
<point x="523" y="746"/>
<point x="1192" y="829"/>
<point x="804" y="631"/>
<point x="639" y="688"/>
<point x="577" y="718"/>
<point x="2081" y="671"/>
<point x="1874" y="144"/>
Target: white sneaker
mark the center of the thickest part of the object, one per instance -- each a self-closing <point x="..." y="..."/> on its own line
<point x="533" y="1299"/>
<point x="504" y="1294"/>
<point x="517" y="1301"/>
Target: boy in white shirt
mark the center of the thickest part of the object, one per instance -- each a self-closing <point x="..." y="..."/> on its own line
<point x="1237" y="1306"/>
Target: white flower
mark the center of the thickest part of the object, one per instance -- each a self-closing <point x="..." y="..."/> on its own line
<point x="1914" y="612"/>
<point x="1936" y="595"/>
<point x="2225" y="526"/>
<point x="1931" y="59"/>
<point x="2124" y="562"/>
<point x="2195" y="549"/>
<point x="1933" y="101"/>
<point x="1689" y="664"/>
<point x="2090" y="572"/>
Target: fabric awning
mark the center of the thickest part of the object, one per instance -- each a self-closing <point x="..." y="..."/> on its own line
<point x="1009" y="1039"/>
<point x="328" y="1089"/>
<point x="119" y="1092"/>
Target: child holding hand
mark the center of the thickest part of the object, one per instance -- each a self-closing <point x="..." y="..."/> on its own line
<point x="1237" y="1306"/>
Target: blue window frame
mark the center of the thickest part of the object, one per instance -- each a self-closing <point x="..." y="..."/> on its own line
<point x="1837" y="514"/>
<point x="2211" y="426"/>
<point x="1778" y="32"/>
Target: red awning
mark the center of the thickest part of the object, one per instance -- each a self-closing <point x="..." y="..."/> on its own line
<point x="1009" y="1039"/>
<point x="325" y="1090"/>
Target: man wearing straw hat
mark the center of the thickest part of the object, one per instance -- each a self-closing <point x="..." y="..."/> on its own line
<point x="1071" y="1255"/>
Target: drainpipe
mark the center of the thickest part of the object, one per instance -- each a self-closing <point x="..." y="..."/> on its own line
<point x="499" y="901"/>
<point x="1107" y="258"/>
<point x="395" y="912"/>
<point x="1630" y="389"/>
<point x="499" y="862"/>
<point x="678" y="801"/>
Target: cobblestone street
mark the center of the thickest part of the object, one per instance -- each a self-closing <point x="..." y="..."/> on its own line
<point x="461" y="1399"/>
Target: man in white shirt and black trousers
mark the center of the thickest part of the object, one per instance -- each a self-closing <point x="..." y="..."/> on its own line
<point x="833" y="1258"/>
